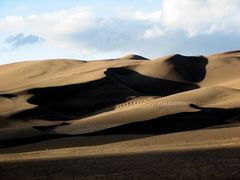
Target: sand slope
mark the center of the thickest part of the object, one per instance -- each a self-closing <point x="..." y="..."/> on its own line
<point x="128" y="105"/>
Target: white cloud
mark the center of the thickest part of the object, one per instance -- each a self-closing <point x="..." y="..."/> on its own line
<point x="194" y="17"/>
<point x="54" y="27"/>
<point x="191" y="16"/>
<point x="154" y="32"/>
<point x="201" y="16"/>
<point x="83" y="31"/>
<point x="155" y="16"/>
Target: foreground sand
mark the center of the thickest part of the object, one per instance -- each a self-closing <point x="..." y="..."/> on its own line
<point x="202" y="154"/>
<point x="175" y="117"/>
<point x="220" y="163"/>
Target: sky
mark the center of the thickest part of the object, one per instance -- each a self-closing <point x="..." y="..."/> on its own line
<point x="94" y="29"/>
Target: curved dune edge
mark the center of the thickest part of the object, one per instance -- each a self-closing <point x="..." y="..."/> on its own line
<point x="118" y="97"/>
<point x="201" y="139"/>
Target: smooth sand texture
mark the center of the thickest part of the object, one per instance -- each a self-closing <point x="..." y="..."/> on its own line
<point x="76" y="111"/>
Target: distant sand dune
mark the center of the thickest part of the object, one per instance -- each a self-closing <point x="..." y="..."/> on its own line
<point x="119" y="106"/>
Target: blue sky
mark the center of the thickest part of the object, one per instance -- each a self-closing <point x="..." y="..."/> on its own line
<point x="93" y="29"/>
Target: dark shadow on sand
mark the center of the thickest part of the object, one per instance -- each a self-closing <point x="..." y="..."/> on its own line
<point x="78" y="100"/>
<point x="190" y="68"/>
<point x="185" y="121"/>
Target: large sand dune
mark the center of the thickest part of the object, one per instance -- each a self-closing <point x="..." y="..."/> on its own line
<point x="120" y="106"/>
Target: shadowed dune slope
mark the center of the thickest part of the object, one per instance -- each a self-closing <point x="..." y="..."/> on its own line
<point x="49" y="99"/>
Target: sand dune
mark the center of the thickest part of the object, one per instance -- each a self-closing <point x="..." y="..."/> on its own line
<point x="128" y="105"/>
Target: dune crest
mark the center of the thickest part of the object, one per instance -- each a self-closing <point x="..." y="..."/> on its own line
<point x="125" y="105"/>
<point x="76" y="91"/>
<point x="133" y="56"/>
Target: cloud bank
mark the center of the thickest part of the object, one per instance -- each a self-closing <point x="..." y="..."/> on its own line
<point x="172" y="27"/>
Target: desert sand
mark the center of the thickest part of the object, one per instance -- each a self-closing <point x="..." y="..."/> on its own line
<point x="175" y="117"/>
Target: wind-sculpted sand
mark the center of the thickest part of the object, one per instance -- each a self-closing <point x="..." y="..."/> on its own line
<point x="85" y="119"/>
